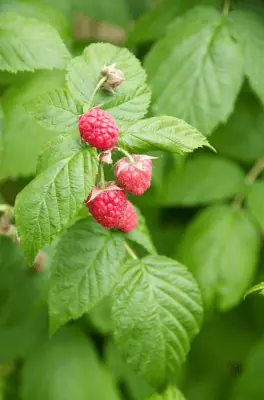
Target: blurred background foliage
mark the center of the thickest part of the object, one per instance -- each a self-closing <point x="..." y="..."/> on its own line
<point x="205" y="209"/>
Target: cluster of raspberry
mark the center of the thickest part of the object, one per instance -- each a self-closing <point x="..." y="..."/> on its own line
<point x="107" y="201"/>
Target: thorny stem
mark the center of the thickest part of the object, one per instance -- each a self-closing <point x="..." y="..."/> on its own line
<point x="126" y="154"/>
<point x="226" y="6"/>
<point x="99" y="84"/>
<point x="130" y="251"/>
<point x="102" y="180"/>
<point x="250" y="178"/>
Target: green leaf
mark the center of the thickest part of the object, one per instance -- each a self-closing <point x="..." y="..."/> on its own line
<point x="23" y="318"/>
<point x="157" y="306"/>
<point x="221" y="247"/>
<point x="20" y="48"/>
<point x="161" y="133"/>
<point x="153" y="24"/>
<point x="255" y="202"/>
<point x="141" y="234"/>
<point x="39" y="11"/>
<point x="196" y="70"/>
<point x="132" y="98"/>
<point x="201" y="180"/>
<point x="65" y="367"/>
<point x="22" y="137"/>
<point x="172" y="393"/>
<point x="256" y="288"/>
<point x="46" y="206"/>
<point x="250" y="384"/>
<point x="55" y="110"/>
<point x="114" y="12"/>
<point x="242" y="137"/>
<point x="83" y="271"/>
<point x="249" y="32"/>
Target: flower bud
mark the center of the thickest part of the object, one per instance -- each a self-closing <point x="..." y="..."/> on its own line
<point x="114" y="77"/>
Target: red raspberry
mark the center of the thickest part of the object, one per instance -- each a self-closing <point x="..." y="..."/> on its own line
<point x="128" y="220"/>
<point x="98" y="128"/>
<point x="135" y="177"/>
<point x="107" y="205"/>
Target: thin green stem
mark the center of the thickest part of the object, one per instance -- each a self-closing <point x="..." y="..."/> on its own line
<point x="130" y="251"/>
<point x="98" y="86"/>
<point x="226" y="7"/>
<point x="102" y="180"/>
<point x="252" y="175"/>
<point x="126" y="154"/>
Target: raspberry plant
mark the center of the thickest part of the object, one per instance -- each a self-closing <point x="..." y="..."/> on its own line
<point x="128" y="227"/>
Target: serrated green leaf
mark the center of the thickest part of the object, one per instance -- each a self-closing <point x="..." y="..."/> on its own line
<point x="131" y="98"/>
<point x="83" y="271"/>
<point x="250" y="384"/>
<point x="161" y="133"/>
<point x="189" y="70"/>
<point x="20" y="48"/>
<point x="141" y="235"/>
<point x="39" y="11"/>
<point x="153" y="24"/>
<point x="221" y="247"/>
<point x="242" y="137"/>
<point x="23" y="317"/>
<point x="65" y="367"/>
<point x="172" y="393"/>
<point x="249" y="31"/>
<point x="157" y="306"/>
<point x="255" y="202"/>
<point x="201" y="180"/>
<point x="45" y="207"/>
<point x="256" y="288"/>
<point x="22" y="137"/>
<point x="55" y="110"/>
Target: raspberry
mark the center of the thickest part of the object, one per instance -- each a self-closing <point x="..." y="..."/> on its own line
<point x="107" y="205"/>
<point x="135" y="177"/>
<point x="128" y="220"/>
<point x="98" y="128"/>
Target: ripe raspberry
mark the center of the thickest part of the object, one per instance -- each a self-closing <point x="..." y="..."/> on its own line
<point x="128" y="220"/>
<point x="107" y="205"/>
<point x="134" y="177"/>
<point x="98" y="128"/>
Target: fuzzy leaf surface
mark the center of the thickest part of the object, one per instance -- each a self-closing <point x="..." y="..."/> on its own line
<point x="83" y="271"/>
<point x="189" y="70"/>
<point x="161" y="133"/>
<point x="131" y="98"/>
<point x="157" y="307"/>
<point x="55" y="110"/>
<point x="249" y="31"/>
<point x="54" y="197"/>
<point x="20" y="48"/>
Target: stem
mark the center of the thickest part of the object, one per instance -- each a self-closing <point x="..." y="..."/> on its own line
<point x="102" y="180"/>
<point x="126" y="154"/>
<point x="226" y="7"/>
<point x="99" y="84"/>
<point x="130" y="251"/>
<point x="252" y="175"/>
